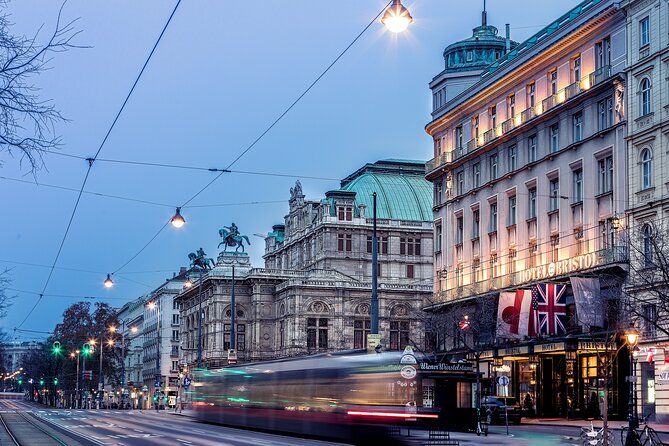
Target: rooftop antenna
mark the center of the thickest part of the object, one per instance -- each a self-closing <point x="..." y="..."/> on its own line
<point x="484" y="16"/>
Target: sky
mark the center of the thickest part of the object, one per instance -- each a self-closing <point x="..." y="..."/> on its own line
<point x="222" y="73"/>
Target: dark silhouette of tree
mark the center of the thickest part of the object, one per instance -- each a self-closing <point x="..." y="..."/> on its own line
<point x="27" y="122"/>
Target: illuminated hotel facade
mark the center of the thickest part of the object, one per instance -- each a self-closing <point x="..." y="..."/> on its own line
<point x="530" y="184"/>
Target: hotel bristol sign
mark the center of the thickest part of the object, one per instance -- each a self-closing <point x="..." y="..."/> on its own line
<point x="559" y="268"/>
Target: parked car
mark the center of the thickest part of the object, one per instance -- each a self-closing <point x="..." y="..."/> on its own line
<point x="496" y="408"/>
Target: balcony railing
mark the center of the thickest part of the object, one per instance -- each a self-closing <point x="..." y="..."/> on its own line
<point x="570" y="91"/>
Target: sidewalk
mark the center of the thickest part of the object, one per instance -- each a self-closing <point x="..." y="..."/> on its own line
<point x="663" y="428"/>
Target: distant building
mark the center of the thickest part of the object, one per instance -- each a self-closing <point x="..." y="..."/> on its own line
<point x="313" y="294"/>
<point x="14" y="353"/>
<point x="131" y="318"/>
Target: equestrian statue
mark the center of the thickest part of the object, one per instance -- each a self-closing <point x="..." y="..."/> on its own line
<point x="231" y="237"/>
<point x="200" y="260"/>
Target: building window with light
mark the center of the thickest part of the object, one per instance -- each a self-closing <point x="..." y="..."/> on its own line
<point x="512" y="155"/>
<point x="555" y="138"/>
<point x="493" y="264"/>
<point x="476" y="172"/>
<point x="644" y="31"/>
<point x="493" y="217"/>
<point x="533" y="254"/>
<point x="512" y="260"/>
<point x="577" y="120"/>
<point x="361" y="328"/>
<point x="646" y="168"/>
<point x="605" y="166"/>
<point x="532" y="203"/>
<point x="554" y="197"/>
<point x="555" y="247"/>
<point x="532" y="149"/>
<point x="317" y="334"/>
<point x="644" y="96"/>
<point x="512" y="210"/>
<point x="577" y="176"/>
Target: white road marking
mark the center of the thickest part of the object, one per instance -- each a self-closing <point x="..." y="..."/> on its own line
<point x="184" y="441"/>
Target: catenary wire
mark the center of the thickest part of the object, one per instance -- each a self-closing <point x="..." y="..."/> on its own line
<point x="92" y="160"/>
<point x="262" y="134"/>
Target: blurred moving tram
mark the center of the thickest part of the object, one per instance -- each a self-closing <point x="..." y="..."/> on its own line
<point x="353" y="396"/>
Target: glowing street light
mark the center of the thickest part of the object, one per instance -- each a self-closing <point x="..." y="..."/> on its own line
<point x="396" y="17"/>
<point x="108" y="281"/>
<point x="178" y="221"/>
<point x="188" y="283"/>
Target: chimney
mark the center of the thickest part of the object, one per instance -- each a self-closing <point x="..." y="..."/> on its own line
<point x="508" y="37"/>
<point x="182" y="270"/>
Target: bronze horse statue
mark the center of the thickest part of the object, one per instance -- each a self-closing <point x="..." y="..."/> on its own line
<point x="200" y="260"/>
<point x="231" y="237"/>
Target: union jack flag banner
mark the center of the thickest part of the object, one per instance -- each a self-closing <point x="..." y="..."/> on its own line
<point x="551" y="309"/>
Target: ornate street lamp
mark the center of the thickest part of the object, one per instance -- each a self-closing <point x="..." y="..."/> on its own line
<point x="396" y="17"/>
<point x="632" y="439"/>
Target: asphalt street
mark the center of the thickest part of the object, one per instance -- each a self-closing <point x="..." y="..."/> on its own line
<point x="113" y="427"/>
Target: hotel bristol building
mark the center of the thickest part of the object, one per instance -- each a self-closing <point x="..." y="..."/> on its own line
<point x="529" y="175"/>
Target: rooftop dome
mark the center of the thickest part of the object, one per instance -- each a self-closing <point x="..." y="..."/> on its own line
<point x="402" y="191"/>
<point x="478" y="51"/>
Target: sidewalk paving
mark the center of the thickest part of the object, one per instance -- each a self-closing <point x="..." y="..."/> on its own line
<point x="617" y="424"/>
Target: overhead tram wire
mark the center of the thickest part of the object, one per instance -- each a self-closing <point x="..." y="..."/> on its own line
<point x="92" y="160"/>
<point x="266" y="131"/>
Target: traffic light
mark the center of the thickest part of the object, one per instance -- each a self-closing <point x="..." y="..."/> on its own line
<point x="57" y="349"/>
<point x="86" y="349"/>
<point x="20" y="382"/>
<point x="55" y="381"/>
<point x="41" y="382"/>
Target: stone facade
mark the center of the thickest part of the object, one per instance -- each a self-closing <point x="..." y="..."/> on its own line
<point x="313" y="294"/>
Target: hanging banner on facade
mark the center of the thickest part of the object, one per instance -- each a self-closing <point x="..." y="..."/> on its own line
<point x="513" y="315"/>
<point x="549" y="301"/>
<point x="588" y="302"/>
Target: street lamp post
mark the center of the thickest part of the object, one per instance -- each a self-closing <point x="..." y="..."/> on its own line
<point x="76" y="392"/>
<point x="155" y="304"/>
<point x="375" y="247"/>
<point x="199" y="320"/>
<point x="632" y="439"/>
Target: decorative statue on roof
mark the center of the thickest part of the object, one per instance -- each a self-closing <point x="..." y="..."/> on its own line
<point x="199" y="259"/>
<point x="231" y="237"/>
<point x="296" y="191"/>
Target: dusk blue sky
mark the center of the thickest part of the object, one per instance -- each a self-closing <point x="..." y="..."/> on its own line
<point x="222" y="73"/>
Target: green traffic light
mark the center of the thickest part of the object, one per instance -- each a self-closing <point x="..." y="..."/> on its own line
<point x="57" y="348"/>
<point x="20" y="382"/>
<point x="41" y="382"/>
<point x="55" y="381"/>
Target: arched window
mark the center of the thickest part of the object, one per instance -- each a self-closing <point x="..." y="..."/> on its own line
<point x="647" y="245"/>
<point x="644" y="89"/>
<point x="646" y="168"/>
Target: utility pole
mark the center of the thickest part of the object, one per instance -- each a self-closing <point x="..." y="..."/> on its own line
<point x="199" y="321"/>
<point x="375" y="248"/>
<point x="233" y="341"/>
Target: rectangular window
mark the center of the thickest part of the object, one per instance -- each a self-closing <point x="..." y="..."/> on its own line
<point x="604" y="114"/>
<point x="317" y="333"/>
<point x="361" y="328"/>
<point x="437" y="238"/>
<point x="459" y="230"/>
<point x="175" y="335"/>
<point x="493" y="167"/>
<point x="438" y="193"/>
<point x="282" y="334"/>
<point x="475" y="127"/>
<point x="644" y="32"/>
<point x="512" y="210"/>
<point x="410" y="246"/>
<point x="578" y="185"/>
<point x="369" y="244"/>
<point x="555" y="247"/>
<point x="476" y="227"/>
<point x="578" y="126"/>
<point x="493" y="264"/>
<point x="554" y="197"/>
<point x="458" y="138"/>
<point x="340" y="242"/>
<point x="476" y="172"/>
<point x="512" y="260"/>
<point x="576" y="69"/>
<point x="552" y="82"/>
<point x="605" y="174"/>
<point x="649" y="322"/>
<point x="349" y="213"/>
<point x="240" y="334"/>
<point x="399" y="334"/>
<point x="511" y="153"/>
<point x="532" y="148"/>
<point x="532" y="203"/>
<point x="383" y="248"/>
<point x="410" y="271"/>
<point x="533" y="254"/>
<point x="555" y="138"/>
<point x="603" y="53"/>
<point x="511" y="106"/>
<point x="493" y="217"/>
<point x="492" y="112"/>
<point x="531" y="93"/>
<point x="460" y="183"/>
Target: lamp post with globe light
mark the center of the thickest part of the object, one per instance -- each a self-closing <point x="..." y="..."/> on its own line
<point x="632" y="438"/>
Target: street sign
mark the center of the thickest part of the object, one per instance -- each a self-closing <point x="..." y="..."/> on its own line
<point x="373" y="341"/>
<point x="408" y="350"/>
<point x="187" y="382"/>
<point x="232" y="356"/>
<point x="503" y="380"/>
<point x="408" y="359"/>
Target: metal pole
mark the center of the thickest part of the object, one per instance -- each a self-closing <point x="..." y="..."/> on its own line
<point x="159" y="373"/>
<point x="632" y="438"/>
<point x="199" y="323"/>
<point x="102" y="381"/>
<point x="375" y="248"/>
<point x="233" y="341"/>
<point x="123" y="357"/>
<point x="77" y="389"/>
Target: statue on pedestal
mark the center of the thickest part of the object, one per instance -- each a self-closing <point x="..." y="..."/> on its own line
<point x="231" y="237"/>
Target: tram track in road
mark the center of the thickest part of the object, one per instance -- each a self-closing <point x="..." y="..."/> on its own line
<point x="26" y="432"/>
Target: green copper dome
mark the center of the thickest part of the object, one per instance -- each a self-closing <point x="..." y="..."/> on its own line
<point x="402" y="191"/>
